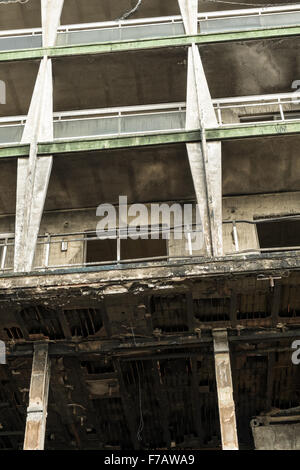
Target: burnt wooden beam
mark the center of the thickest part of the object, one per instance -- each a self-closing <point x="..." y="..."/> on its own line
<point x="59" y="393"/>
<point x="276" y="298"/>
<point x="127" y="407"/>
<point x="270" y="379"/>
<point x="105" y="319"/>
<point x="195" y="397"/>
<point x="190" y="311"/>
<point x="74" y="371"/>
<point x="64" y="324"/>
<point x="38" y="399"/>
<point x="163" y="402"/>
<point x="233" y="309"/>
<point x="22" y="325"/>
<point x="142" y="346"/>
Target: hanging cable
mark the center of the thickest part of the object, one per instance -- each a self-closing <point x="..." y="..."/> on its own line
<point x="248" y="4"/>
<point x="6" y="2"/>
<point x="141" y="425"/>
<point x="129" y="13"/>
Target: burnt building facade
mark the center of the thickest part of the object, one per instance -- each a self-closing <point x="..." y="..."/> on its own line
<point x="149" y="343"/>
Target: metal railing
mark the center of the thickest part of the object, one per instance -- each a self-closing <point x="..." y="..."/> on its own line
<point x="235" y="234"/>
<point x="100" y="122"/>
<point x="266" y="108"/>
<point x="158" y="117"/>
<point x="119" y="121"/>
<point x="168" y="26"/>
<point x="63" y="242"/>
<point x="249" y="19"/>
<point x="126" y="30"/>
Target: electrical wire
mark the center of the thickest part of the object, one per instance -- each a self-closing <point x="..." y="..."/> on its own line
<point x="6" y="2"/>
<point x="141" y="425"/>
<point x="130" y="12"/>
<point x="248" y="4"/>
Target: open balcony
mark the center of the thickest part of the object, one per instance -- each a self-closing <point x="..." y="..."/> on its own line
<point x="154" y="27"/>
<point x="165" y="117"/>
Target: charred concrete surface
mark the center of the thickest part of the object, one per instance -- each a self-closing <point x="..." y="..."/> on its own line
<point x="195" y="345"/>
<point x="108" y="344"/>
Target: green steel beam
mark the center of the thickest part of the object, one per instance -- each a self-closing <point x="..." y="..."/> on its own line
<point x="104" y="143"/>
<point x="13" y="151"/>
<point x="253" y="130"/>
<point x="232" y="132"/>
<point x="142" y="44"/>
<point x="162" y="138"/>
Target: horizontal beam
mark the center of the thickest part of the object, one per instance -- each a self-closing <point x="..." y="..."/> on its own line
<point x="142" y="44"/>
<point x="270" y="264"/>
<point x="118" y="142"/>
<point x="217" y="134"/>
<point x="161" y="138"/>
<point x="146" y="347"/>
<point x="262" y="129"/>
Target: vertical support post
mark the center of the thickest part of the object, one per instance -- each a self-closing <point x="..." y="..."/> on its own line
<point x="34" y="172"/>
<point x="225" y="391"/>
<point x="204" y="157"/>
<point x="38" y="399"/>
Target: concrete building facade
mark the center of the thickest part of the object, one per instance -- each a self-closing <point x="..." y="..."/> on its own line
<point x="149" y="343"/>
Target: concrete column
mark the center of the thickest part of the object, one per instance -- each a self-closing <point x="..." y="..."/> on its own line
<point x="189" y="12"/>
<point x="225" y="391"/>
<point x="38" y="399"/>
<point x="34" y="173"/>
<point x="204" y="158"/>
<point x="51" y="13"/>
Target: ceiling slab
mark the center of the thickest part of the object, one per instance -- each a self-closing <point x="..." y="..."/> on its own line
<point x="8" y="180"/>
<point x="82" y="11"/>
<point x="266" y="165"/>
<point x="19" y="78"/>
<point x="143" y="175"/>
<point x="20" y="16"/>
<point x="120" y="79"/>
<point x="251" y="67"/>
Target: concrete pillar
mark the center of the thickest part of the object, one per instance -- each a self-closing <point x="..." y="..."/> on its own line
<point x="34" y="173"/>
<point x="189" y="12"/>
<point x="38" y="399"/>
<point x="204" y="158"/>
<point x="51" y="13"/>
<point x="225" y="391"/>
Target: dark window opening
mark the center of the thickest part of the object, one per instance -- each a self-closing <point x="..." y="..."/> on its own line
<point x="253" y="305"/>
<point x="14" y="333"/>
<point x="290" y="307"/>
<point x="279" y="234"/>
<point x="212" y="310"/>
<point x="98" y="367"/>
<point x="98" y="251"/>
<point x="42" y="321"/>
<point x="84" y="321"/>
<point x="288" y="115"/>
<point x="169" y="314"/>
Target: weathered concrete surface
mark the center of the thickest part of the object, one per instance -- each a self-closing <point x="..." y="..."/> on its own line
<point x="51" y="13"/>
<point x="157" y="276"/>
<point x="38" y="399"/>
<point x="277" y="437"/>
<point x="34" y="172"/>
<point x="225" y="391"/>
<point x="204" y="159"/>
